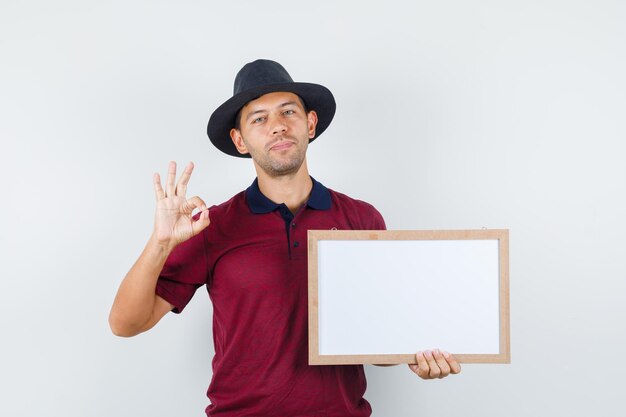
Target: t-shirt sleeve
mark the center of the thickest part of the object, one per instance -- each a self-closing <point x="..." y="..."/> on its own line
<point x="184" y="272"/>
<point x="374" y="220"/>
<point x="378" y="221"/>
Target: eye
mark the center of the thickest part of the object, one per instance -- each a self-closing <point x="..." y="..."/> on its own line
<point x="288" y="112"/>
<point x="258" y="120"/>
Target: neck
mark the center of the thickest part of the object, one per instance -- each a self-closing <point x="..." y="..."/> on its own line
<point x="293" y="189"/>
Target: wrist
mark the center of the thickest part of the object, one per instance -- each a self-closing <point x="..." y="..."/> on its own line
<point x="159" y="246"/>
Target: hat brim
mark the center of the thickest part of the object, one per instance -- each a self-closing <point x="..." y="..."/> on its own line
<point x="316" y="97"/>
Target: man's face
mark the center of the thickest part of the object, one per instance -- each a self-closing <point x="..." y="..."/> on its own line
<point x="275" y="130"/>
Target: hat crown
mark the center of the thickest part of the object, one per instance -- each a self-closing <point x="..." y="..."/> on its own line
<point x="258" y="73"/>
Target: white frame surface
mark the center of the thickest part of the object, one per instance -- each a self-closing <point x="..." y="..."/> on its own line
<point x="379" y="296"/>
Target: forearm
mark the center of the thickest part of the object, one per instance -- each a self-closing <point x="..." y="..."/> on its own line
<point x="134" y="304"/>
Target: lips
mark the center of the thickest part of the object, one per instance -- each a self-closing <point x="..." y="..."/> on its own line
<point x="281" y="145"/>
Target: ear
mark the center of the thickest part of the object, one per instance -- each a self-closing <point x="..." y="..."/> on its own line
<point x="237" y="139"/>
<point x="312" y="123"/>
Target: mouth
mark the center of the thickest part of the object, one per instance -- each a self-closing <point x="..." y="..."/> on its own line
<point x="281" y="145"/>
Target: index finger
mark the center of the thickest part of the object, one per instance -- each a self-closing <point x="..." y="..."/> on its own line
<point x="422" y="365"/>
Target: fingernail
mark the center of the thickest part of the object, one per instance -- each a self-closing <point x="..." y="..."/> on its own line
<point x="427" y="352"/>
<point x="446" y="354"/>
<point x="437" y="352"/>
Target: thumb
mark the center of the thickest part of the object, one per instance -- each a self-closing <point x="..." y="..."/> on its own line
<point x="200" y="221"/>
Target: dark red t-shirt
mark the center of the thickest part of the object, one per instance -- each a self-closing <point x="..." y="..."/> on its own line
<point x="253" y="260"/>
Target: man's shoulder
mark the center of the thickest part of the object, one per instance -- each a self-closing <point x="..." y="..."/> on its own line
<point x="229" y="207"/>
<point x="367" y="216"/>
<point x="344" y="199"/>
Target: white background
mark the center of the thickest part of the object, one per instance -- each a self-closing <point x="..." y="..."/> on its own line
<point x="451" y="114"/>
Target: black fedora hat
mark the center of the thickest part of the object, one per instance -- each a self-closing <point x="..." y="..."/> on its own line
<point x="252" y="81"/>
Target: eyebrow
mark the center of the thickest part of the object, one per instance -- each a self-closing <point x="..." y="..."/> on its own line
<point x="285" y="104"/>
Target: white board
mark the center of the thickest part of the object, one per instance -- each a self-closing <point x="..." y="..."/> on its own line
<point x="382" y="296"/>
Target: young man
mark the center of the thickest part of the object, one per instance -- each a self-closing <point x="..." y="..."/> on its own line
<point x="252" y="256"/>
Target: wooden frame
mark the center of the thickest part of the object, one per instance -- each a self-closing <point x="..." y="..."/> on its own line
<point x="499" y="351"/>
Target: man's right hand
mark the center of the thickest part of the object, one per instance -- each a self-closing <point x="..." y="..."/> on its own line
<point x="137" y="307"/>
<point x="174" y="222"/>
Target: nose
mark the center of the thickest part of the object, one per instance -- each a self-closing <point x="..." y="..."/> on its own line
<point x="278" y="126"/>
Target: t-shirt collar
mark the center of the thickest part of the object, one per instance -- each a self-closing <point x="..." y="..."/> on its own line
<point x="260" y="204"/>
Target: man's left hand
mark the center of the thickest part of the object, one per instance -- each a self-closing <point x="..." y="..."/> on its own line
<point x="435" y="364"/>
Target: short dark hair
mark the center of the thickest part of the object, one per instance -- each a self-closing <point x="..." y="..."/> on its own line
<point x="238" y="115"/>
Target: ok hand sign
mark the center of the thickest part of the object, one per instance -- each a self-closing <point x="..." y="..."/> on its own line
<point x="174" y="223"/>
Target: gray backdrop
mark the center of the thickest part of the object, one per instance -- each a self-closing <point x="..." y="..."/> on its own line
<point x="451" y="114"/>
